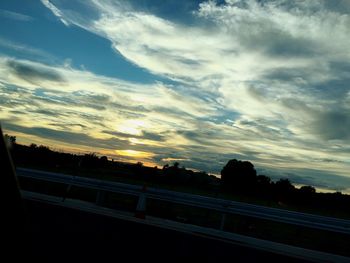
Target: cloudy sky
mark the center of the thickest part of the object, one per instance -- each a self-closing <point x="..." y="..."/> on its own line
<point x="198" y="82"/>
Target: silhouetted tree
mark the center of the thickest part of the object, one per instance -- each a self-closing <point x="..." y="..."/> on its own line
<point x="305" y="194"/>
<point x="307" y="189"/>
<point x="264" y="186"/>
<point x="284" y="190"/>
<point x="238" y="175"/>
<point x="33" y="145"/>
<point x="43" y="149"/>
<point x="176" y="165"/>
<point x="263" y="181"/>
<point x="11" y="139"/>
<point x="176" y="175"/>
<point x="104" y="159"/>
<point x="199" y="179"/>
<point x="90" y="161"/>
<point x="284" y="185"/>
<point x="141" y="171"/>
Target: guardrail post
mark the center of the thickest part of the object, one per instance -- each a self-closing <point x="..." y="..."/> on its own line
<point x="223" y="219"/>
<point x="141" y="204"/>
<point x="100" y="197"/>
<point x="69" y="186"/>
<point x="66" y="192"/>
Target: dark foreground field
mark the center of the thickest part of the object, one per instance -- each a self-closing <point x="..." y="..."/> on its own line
<point x="57" y="234"/>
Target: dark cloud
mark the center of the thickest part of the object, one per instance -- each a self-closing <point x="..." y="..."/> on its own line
<point x="97" y="98"/>
<point x="320" y="179"/>
<point x="265" y="35"/>
<point x="73" y="99"/>
<point x="281" y="44"/>
<point x="263" y="129"/>
<point x="174" y="112"/>
<point x="38" y="102"/>
<point x="313" y="177"/>
<point x="332" y="125"/>
<point x="13" y="89"/>
<point x="67" y="126"/>
<point x="202" y="136"/>
<point x="118" y="134"/>
<point x="327" y="124"/>
<point x="47" y="112"/>
<point x="277" y="43"/>
<point x="90" y="99"/>
<point x="128" y="110"/>
<point x="340" y="67"/>
<point x="285" y="74"/>
<point x="153" y="136"/>
<point x="294" y="104"/>
<point x="340" y="6"/>
<point x="221" y="116"/>
<point x="333" y="90"/>
<point x="326" y="82"/>
<point x="16" y="111"/>
<point x="33" y="73"/>
<point x="144" y="135"/>
<point x="199" y="158"/>
<point x="69" y="137"/>
<point x="12" y="96"/>
<point x="328" y="160"/>
<point x="94" y="100"/>
<point x="8" y="102"/>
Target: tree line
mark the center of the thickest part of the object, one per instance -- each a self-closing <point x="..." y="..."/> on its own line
<point x="237" y="177"/>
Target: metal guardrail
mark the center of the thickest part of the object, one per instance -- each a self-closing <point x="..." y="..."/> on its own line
<point x="221" y="205"/>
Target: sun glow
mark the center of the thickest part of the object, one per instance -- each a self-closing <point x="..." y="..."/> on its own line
<point x="134" y="154"/>
<point x="133" y="127"/>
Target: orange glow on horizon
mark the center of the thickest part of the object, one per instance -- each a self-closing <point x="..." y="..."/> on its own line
<point x="134" y="154"/>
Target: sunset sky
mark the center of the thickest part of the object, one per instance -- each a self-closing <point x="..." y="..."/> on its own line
<point x="198" y="82"/>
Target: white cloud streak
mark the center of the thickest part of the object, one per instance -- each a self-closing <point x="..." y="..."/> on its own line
<point x="55" y="11"/>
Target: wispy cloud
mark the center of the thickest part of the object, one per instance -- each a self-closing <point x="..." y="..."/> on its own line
<point x="15" y="15"/>
<point x="55" y="11"/>
<point x="30" y="73"/>
<point x="26" y="50"/>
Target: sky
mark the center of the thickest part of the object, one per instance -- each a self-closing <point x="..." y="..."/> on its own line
<point x="188" y="81"/>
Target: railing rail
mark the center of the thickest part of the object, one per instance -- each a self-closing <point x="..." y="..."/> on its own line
<point x="221" y="205"/>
